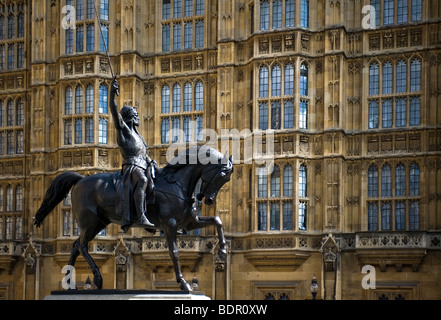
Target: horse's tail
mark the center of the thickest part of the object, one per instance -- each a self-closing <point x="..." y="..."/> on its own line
<point x="56" y="192"/>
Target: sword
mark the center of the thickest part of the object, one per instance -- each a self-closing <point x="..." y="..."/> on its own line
<point x="104" y="40"/>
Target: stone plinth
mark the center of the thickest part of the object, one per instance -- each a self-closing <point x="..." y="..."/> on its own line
<point x="112" y="294"/>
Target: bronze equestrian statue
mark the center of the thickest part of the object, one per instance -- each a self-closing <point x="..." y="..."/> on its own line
<point x="96" y="198"/>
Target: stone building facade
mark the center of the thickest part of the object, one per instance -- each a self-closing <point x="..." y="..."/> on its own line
<point x="331" y="108"/>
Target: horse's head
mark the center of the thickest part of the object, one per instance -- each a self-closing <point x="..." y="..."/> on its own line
<point x="213" y="177"/>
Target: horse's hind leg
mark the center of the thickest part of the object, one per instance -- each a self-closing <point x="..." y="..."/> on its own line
<point x="86" y="236"/>
<point x="170" y="233"/>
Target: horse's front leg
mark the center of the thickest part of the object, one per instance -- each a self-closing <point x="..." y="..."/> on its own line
<point x="170" y="232"/>
<point x="202" y="222"/>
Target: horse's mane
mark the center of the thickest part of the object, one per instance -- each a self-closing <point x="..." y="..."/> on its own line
<point x="189" y="156"/>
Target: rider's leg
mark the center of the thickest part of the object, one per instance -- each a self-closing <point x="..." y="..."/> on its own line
<point x="139" y="195"/>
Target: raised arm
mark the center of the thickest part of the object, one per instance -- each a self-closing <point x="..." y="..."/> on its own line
<point x="117" y="119"/>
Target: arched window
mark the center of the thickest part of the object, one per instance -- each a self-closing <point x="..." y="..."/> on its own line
<point x="287" y="181"/>
<point x="400" y="180"/>
<point x="78" y="99"/>
<point x="289" y="80"/>
<point x="415" y="75"/>
<point x="276" y="81"/>
<point x="89" y="99"/>
<point x="303" y="80"/>
<point x="374" y="79"/>
<point x="165" y="99"/>
<point x="414" y="180"/>
<point x="262" y="191"/>
<point x="199" y="96"/>
<point x="9" y="198"/>
<point x="302" y="181"/>
<point x="68" y="101"/>
<point x="19" y="198"/>
<point x="401" y="76"/>
<point x="387" y="78"/>
<point x="103" y="98"/>
<point x="373" y="181"/>
<point x="386" y="181"/>
<point x="176" y="103"/>
<point x="188" y="97"/>
<point x="275" y="182"/>
<point x="263" y="82"/>
<point x="19" y="114"/>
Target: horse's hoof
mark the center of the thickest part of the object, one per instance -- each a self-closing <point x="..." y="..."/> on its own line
<point x="185" y="286"/>
<point x="222" y="254"/>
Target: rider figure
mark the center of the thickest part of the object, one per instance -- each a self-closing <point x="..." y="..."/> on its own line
<point x="136" y="161"/>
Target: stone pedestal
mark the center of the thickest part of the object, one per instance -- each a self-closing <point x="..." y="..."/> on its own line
<point x="111" y="294"/>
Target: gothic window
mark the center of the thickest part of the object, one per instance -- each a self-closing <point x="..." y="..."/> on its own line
<point x="275" y="198"/>
<point x="102" y="131"/>
<point x="19" y="198"/>
<point x="414" y="111"/>
<point x="275" y="115"/>
<point x="399" y="207"/>
<point x="415" y="75"/>
<point x="264" y="15"/>
<point x="304" y="13"/>
<point x="90" y="37"/>
<point x="80" y="10"/>
<point x="376" y="5"/>
<point x="401" y="112"/>
<point x="78" y="131"/>
<point x="372" y="181"/>
<point x="80" y="38"/>
<point x="104" y="9"/>
<point x="289" y="80"/>
<point x="388" y="10"/>
<point x="401" y="77"/>
<point x="373" y="79"/>
<point x="166" y="9"/>
<point x="103" y="98"/>
<point x="414" y="180"/>
<point x="185" y="123"/>
<point x="104" y="38"/>
<point x="177" y="8"/>
<point x="263" y="116"/>
<point x="177" y="41"/>
<point x="387" y="113"/>
<point x="200" y="7"/>
<point x="288" y="115"/>
<point x="386" y="181"/>
<point x="188" y="35"/>
<point x="69" y="41"/>
<point x="88" y="130"/>
<point x="387" y="78"/>
<point x="303" y="80"/>
<point x="289" y="13"/>
<point x="372" y="216"/>
<point x="401" y="11"/>
<point x="67" y="131"/>
<point x="166" y="37"/>
<point x="417" y="9"/>
<point x="400" y="180"/>
<point x="263" y="82"/>
<point x="89" y="98"/>
<point x="90" y="9"/>
<point x="277" y="14"/>
<point x="19" y="113"/>
<point x="11" y="26"/>
<point x="20" y="25"/>
<point x="78" y="100"/>
<point x="303" y="114"/>
<point x="68" y="101"/>
<point x="188" y="8"/>
<point x="276" y="81"/>
<point x="199" y="39"/>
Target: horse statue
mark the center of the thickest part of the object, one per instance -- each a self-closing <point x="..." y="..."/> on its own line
<point x="93" y="202"/>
